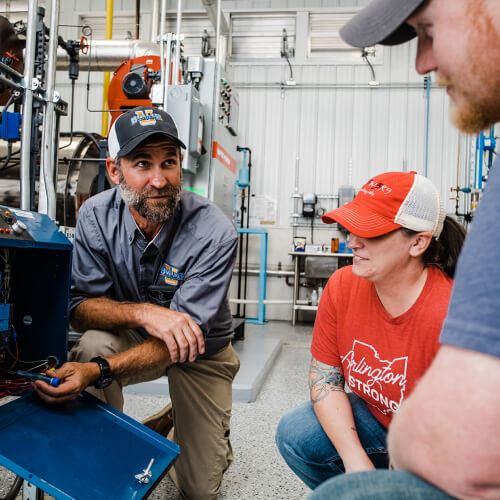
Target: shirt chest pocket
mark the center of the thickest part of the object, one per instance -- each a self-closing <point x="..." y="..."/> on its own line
<point x="161" y="295"/>
<point x="169" y="280"/>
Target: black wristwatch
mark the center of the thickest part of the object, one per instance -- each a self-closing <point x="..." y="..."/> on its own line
<point x="105" y="378"/>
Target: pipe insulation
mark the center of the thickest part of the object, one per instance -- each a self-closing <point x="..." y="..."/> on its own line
<point x="106" y="55"/>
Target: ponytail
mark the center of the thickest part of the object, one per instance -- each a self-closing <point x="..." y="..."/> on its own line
<point x="444" y="251"/>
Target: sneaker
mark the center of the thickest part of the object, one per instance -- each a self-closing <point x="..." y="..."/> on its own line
<point x="162" y="422"/>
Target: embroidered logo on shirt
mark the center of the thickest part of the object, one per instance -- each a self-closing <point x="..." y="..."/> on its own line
<point x="171" y="274"/>
<point x="379" y="382"/>
<point x="145" y="117"/>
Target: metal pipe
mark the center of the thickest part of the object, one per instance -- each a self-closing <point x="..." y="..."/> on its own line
<point x="212" y="15"/>
<point x="106" y="55"/>
<point x="7" y="70"/>
<point x="11" y="83"/>
<point x="255" y="301"/>
<point x="178" y="43"/>
<point x="154" y="20"/>
<point x="107" y="75"/>
<point x="320" y="196"/>
<point x="216" y="96"/>
<point x="218" y="49"/>
<point x="296" y="194"/>
<point x="29" y="63"/>
<point x="162" y="52"/>
<point x="282" y="86"/>
<point x="256" y="271"/>
<point x="47" y="203"/>
<point x="18" y="86"/>
<point x="167" y="70"/>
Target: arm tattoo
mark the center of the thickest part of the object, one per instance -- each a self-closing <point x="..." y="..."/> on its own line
<point x="324" y="379"/>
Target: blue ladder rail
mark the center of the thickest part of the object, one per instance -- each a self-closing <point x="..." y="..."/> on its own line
<point x="261" y="319"/>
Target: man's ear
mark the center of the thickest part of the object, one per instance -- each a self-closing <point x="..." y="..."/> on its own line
<point x="420" y="244"/>
<point x="113" y="172"/>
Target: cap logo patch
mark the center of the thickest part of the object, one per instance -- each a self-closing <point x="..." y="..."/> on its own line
<point x="375" y="186"/>
<point x="145" y="117"/>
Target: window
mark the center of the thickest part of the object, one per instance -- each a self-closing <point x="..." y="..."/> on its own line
<point x="258" y="36"/>
<point x="324" y="38"/>
<point x="123" y="26"/>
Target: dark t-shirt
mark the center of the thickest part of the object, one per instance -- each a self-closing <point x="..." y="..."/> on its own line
<point x="473" y="320"/>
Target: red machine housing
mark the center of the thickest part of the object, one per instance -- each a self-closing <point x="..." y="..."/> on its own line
<point x="117" y="100"/>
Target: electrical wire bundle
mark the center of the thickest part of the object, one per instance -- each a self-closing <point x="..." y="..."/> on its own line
<point x="13" y="386"/>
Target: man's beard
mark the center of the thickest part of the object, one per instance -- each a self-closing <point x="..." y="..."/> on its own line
<point x="473" y="114"/>
<point x="158" y="211"/>
<point x="478" y="110"/>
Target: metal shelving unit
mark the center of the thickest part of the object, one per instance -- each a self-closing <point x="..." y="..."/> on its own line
<point x="296" y="306"/>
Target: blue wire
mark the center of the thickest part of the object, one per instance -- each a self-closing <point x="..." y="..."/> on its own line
<point x="428" y="84"/>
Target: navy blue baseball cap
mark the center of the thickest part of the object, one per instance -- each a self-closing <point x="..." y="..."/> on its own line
<point x="381" y="21"/>
<point x="136" y="125"/>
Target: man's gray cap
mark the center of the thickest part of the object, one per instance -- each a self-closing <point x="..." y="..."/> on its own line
<point x="381" y="21"/>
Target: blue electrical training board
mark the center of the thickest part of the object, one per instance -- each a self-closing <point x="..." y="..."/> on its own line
<point x="81" y="450"/>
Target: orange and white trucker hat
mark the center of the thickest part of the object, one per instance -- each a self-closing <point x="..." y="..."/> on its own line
<point x="390" y="201"/>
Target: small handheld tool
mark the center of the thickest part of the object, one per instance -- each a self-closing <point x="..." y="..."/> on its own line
<point x="53" y="381"/>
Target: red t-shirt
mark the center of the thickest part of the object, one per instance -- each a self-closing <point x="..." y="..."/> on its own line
<point x="382" y="357"/>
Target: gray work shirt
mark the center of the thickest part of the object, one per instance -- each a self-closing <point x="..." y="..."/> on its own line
<point x="186" y="267"/>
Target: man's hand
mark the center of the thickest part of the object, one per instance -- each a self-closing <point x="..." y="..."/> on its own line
<point x="75" y="378"/>
<point x="182" y="336"/>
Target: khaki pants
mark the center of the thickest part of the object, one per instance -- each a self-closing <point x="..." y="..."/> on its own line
<point x="201" y="394"/>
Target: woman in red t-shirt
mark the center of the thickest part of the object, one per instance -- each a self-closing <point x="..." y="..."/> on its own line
<point x="377" y="327"/>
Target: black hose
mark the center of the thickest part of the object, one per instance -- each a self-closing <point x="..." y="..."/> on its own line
<point x="9" y="102"/>
<point x="365" y="58"/>
<point x="14" y="489"/>
<point x="71" y="115"/>
<point x="84" y="134"/>
<point x="290" y="66"/>
<point x="7" y="158"/>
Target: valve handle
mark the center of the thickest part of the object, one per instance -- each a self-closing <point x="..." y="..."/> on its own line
<point x="84" y="45"/>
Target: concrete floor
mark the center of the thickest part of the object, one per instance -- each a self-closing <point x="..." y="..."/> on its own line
<point x="258" y="471"/>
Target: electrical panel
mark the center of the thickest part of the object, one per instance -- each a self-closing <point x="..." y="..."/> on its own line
<point x="35" y="264"/>
<point x="184" y="105"/>
<point x="218" y="166"/>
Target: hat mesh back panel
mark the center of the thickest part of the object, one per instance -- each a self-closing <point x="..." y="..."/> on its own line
<point x="422" y="209"/>
<point x="113" y="144"/>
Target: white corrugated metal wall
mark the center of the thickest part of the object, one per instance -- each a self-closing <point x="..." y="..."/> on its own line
<point x="340" y="136"/>
<point x="328" y="129"/>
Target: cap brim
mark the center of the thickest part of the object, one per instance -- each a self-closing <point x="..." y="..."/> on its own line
<point x="360" y="221"/>
<point x="381" y="21"/>
<point x="133" y="143"/>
